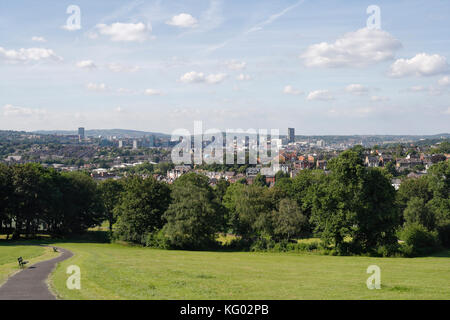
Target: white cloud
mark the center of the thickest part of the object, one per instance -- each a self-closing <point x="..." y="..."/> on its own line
<point x="14" y="111"/>
<point x="183" y="20"/>
<point x="125" y="31"/>
<point x="323" y="95"/>
<point x="99" y="87"/>
<point x="38" y="39"/>
<point x="421" y="65"/>
<point x="215" y="78"/>
<point x="243" y="77"/>
<point x="192" y="77"/>
<point x="354" y="49"/>
<point x="153" y="92"/>
<point x="290" y="90"/>
<point x="444" y="81"/>
<point x="86" y="64"/>
<point x="30" y="54"/>
<point x="235" y="65"/>
<point x="116" y="67"/>
<point x="357" y="89"/>
<point x="72" y="27"/>
<point x="199" y="77"/>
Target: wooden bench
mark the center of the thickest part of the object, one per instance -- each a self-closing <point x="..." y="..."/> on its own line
<point x="22" y="263"/>
<point x="55" y="249"/>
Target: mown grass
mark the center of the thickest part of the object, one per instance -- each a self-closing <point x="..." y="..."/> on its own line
<point x="9" y="252"/>
<point x="113" y="271"/>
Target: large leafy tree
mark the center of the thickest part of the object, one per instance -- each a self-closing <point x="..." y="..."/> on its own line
<point x="195" y="215"/>
<point x="5" y="196"/>
<point x="354" y="209"/>
<point x="288" y="221"/>
<point x="251" y="217"/>
<point x="141" y="208"/>
<point x="83" y="206"/>
<point x="111" y="191"/>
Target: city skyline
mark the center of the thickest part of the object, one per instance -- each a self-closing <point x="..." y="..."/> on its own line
<point x="158" y="66"/>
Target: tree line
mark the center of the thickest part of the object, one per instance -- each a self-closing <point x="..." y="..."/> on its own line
<point x="352" y="208"/>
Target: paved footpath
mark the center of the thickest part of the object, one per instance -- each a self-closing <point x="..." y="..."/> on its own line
<point x="30" y="283"/>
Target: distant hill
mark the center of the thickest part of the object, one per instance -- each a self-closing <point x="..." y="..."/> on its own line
<point x="120" y="133"/>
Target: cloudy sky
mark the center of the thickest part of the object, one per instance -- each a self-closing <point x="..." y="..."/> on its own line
<point x="160" y="65"/>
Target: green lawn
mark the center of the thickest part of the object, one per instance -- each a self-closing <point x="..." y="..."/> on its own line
<point x="112" y="271"/>
<point x="9" y="252"/>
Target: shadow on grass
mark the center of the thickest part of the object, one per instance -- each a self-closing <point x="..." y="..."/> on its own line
<point x="88" y="237"/>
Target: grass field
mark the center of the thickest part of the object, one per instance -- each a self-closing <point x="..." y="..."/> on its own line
<point x="9" y="252"/>
<point x="112" y="271"/>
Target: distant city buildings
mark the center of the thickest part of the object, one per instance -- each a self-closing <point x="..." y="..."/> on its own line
<point x="291" y="135"/>
<point x="81" y="135"/>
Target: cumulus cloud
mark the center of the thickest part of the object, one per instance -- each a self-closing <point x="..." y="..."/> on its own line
<point x="354" y="49"/>
<point x="199" y="77"/>
<point x="291" y="90"/>
<point x="152" y="92"/>
<point x="357" y="89"/>
<point x="15" y="111"/>
<point x="444" y="81"/>
<point x="27" y="55"/>
<point x="183" y="20"/>
<point x="99" y="87"/>
<point x="125" y="31"/>
<point x="235" y="65"/>
<point x="323" y="95"/>
<point x="243" y="77"/>
<point x="421" y="65"/>
<point x="38" y="39"/>
<point x="86" y="64"/>
<point x="215" y="78"/>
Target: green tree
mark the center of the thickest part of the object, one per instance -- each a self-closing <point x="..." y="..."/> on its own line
<point x="260" y="180"/>
<point x="354" y="208"/>
<point x="111" y="191"/>
<point x="251" y="217"/>
<point x="417" y="211"/>
<point x="6" y="193"/>
<point x="141" y="208"/>
<point x="288" y="220"/>
<point x="195" y="215"/>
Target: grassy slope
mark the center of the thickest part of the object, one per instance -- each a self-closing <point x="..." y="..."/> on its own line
<point x="111" y="271"/>
<point x="9" y="252"/>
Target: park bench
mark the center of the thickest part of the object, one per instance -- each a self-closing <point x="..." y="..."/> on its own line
<point x="55" y="249"/>
<point x="22" y="263"/>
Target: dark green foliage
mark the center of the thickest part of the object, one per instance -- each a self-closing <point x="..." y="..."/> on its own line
<point x="354" y="208"/>
<point x="251" y="209"/>
<point x="288" y="221"/>
<point x="141" y="208"/>
<point x="38" y="200"/>
<point x="418" y="240"/>
<point x="111" y="192"/>
<point x="195" y="215"/>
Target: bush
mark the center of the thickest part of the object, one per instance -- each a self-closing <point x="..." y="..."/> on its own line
<point x="444" y="234"/>
<point x="156" y="240"/>
<point x="418" y="240"/>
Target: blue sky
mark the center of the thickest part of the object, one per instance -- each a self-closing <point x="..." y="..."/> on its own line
<point x="160" y="65"/>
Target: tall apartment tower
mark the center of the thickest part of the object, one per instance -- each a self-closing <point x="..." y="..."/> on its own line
<point x="291" y="135"/>
<point x="80" y="133"/>
<point x="135" y="144"/>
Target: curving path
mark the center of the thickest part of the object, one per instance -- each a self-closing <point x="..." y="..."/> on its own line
<point x="30" y="283"/>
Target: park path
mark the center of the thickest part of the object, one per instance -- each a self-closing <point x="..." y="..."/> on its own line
<point x="30" y="283"/>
